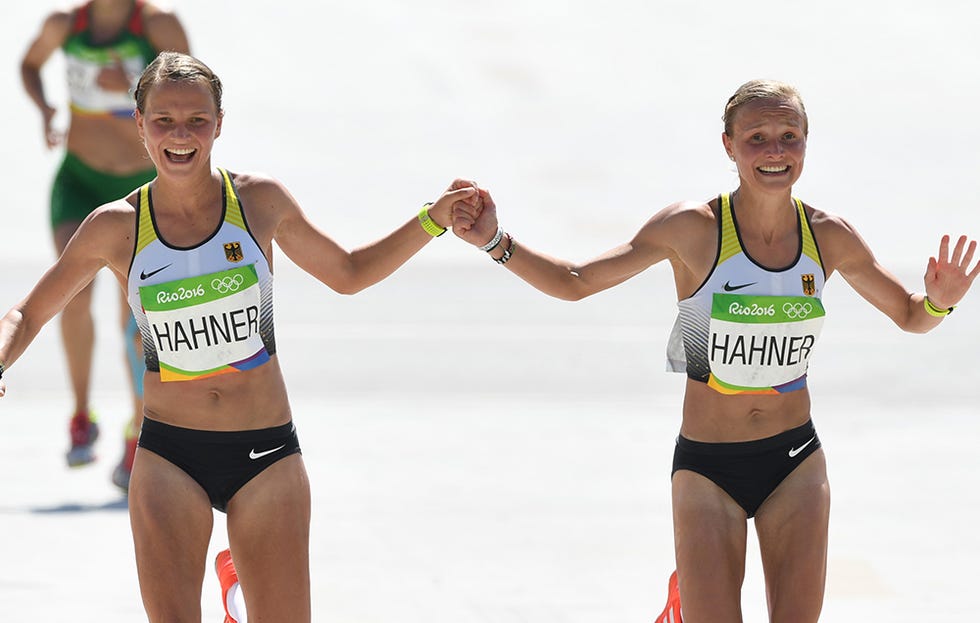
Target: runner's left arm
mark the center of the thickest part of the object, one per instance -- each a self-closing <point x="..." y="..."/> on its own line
<point x="948" y="275"/>
<point x="348" y="272"/>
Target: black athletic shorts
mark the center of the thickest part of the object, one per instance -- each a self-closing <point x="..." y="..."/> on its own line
<point x="221" y="462"/>
<point x="748" y="471"/>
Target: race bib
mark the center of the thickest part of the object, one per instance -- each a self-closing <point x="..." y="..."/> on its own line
<point x="83" y="66"/>
<point x="760" y="343"/>
<point x="205" y="326"/>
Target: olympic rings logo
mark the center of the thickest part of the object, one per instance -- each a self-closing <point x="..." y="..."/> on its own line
<point x="228" y="283"/>
<point x="797" y="310"/>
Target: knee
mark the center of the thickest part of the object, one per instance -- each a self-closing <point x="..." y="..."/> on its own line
<point x="795" y="608"/>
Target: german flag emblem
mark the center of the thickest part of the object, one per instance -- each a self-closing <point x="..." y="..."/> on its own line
<point x="233" y="252"/>
<point x="809" y="284"/>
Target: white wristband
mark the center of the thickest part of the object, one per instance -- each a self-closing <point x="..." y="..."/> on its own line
<point x="494" y="241"/>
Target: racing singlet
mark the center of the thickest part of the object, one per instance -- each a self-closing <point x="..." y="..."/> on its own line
<point x="85" y="60"/>
<point x="749" y="329"/>
<point x="202" y="310"/>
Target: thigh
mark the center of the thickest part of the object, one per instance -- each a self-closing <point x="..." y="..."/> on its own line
<point x="792" y="526"/>
<point x="171" y="520"/>
<point x="269" y="534"/>
<point x="709" y="541"/>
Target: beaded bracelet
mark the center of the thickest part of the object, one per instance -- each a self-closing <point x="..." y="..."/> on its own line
<point x="508" y="251"/>
<point x="431" y="227"/>
<point x="2" y="368"/>
<point x="938" y="312"/>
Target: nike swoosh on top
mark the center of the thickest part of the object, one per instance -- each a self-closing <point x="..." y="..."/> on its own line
<point x="258" y="455"/>
<point x="145" y="275"/>
<point x="728" y="287"/>
<point x="794" y="451"/>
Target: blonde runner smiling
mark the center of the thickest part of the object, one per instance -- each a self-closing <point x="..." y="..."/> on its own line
<point x="218" y="430"/>
<point x="749" y="270"/>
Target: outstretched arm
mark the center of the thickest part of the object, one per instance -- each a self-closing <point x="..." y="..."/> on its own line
<point x="348" y="272"/>
<point x="103" y="235"/>
<point x="948" y="276"/>
<point x="557" y="277"/>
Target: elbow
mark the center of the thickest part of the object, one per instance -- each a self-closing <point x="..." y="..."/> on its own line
<point x="346" y="288"/>
<point x="29" y="71"/>
<point x="918" y="328"/>
<point x="344" y="280"/>
<point x="571" y="296"/>
<point x="574" y="287"/>
<point x="910" y="324"/>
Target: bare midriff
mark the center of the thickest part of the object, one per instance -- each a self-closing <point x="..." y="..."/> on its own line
<point x="247" y="400"/>
<point x="107" y="144"/>
<point x="712" y="417"/>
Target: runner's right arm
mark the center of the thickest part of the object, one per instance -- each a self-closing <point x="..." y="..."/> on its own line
<point x="54" y="32"/>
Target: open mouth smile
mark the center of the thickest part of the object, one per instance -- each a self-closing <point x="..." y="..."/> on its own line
<point x="773" y="170"/>
<point x="180" y="155"/>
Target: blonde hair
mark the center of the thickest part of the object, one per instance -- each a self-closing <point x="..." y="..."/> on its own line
<point x="762" y="89"/>
<point x="176" y="67"/>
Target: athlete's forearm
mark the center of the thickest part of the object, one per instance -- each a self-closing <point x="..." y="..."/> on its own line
<point x="376" y="261"/>
<point x="918" y="320"/>
<point x="34" y="86"/>
<point x="15" y="336"/>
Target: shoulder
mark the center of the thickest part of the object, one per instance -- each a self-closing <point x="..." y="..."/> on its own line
<point x="267" y="204"/>
<point x="838" y="240"/>
<point x="164" y="29"/>
<point x="61" y="18"/>
<point x="155" y="14"/>
<point x="681" y="233"/>
<point x="153" y="10"/>
<point x="259" y="187"/>
<point x="111" y="216"/>
<point x="687" y="218"/>
<point x="108" y="231"/>
<point x="828" y="226"/>
<point x="266" y="201"/>
<point x="691" y="211"/>
<point x="57" y="26"/>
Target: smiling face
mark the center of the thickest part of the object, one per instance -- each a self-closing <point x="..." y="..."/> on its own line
<point x="178" y="125"/>
<point x="767" y="141"/>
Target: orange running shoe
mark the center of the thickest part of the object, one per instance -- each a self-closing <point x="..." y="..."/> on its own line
<point x="672" y="612"/>
<point x="227" y="577"/>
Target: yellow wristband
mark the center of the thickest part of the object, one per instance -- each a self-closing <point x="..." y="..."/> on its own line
<point x="932" y="310"/>
<point x="431" y="227"/>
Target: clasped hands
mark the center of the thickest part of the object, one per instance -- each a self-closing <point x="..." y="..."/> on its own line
<point x="472" y="216"/>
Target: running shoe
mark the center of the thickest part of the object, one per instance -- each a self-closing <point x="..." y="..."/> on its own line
<point x="84" y="430"/>
<point x="227" y="577"/>
<point x="122" y="471"/>
<point x="672" y="612"/>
